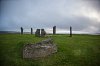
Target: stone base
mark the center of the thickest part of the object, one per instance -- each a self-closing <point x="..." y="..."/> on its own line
<point x="41" y="49"/>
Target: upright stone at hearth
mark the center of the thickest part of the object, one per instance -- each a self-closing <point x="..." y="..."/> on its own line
<point x="54" y="30"/>
<point x="43" y="33"/>
<point x="21" y="30"/>
<point x="37" y="33"/>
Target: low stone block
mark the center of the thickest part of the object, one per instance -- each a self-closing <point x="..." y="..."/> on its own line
<point x="41" y="49"/>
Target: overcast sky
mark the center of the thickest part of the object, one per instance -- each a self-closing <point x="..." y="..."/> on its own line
<point x="82" y="15"/>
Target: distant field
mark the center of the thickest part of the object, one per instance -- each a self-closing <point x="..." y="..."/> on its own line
<point x="79" y="50"/>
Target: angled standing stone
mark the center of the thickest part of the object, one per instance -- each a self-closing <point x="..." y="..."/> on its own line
<point x="21" y="30"/>
<point x="31" y="31"/>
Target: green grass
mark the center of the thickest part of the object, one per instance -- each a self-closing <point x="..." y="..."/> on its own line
<point x="79" y="50"/>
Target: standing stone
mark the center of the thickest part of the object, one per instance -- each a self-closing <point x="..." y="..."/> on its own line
<point x="21" y="30"/>
<point x="37" y="33"/>
<point x="54" y="30"/>
<point x="70" y="31"/>
<point x="31" y="31"/>
<point x="43" y="33"/>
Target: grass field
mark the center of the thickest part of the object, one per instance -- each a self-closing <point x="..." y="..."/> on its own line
<point x="79" y="50"/>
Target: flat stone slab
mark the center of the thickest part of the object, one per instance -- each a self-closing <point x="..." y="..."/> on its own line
<point x="41" y="49"/>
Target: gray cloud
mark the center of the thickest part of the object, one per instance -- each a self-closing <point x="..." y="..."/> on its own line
<point x="47" y="13"/>
<point x="94" y="4"/>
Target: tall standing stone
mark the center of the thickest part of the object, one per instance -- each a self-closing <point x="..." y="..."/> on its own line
<point x="54" y="30"/>
<point x="37" y="33"/>
<point x="43" y="33"/>
<point x="31" y="31"/>
<point x="21" y="30"/>
<point x="70" y="31"/>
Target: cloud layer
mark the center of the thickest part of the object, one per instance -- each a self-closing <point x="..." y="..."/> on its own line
<point x="82" y="15"/>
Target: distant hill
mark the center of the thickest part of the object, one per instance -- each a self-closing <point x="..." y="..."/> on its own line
<point x="9" y="32"/>
<point x="16" y="32"/>
<point x="13" y="32"/>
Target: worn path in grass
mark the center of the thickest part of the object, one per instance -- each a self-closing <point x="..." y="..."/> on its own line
<point x="79" y="50"/>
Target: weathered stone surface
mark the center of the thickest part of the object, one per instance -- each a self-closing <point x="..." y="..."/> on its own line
<point x="37" y="33"/>
<point x="41" y="49"/>
<point x="43" y="33"/>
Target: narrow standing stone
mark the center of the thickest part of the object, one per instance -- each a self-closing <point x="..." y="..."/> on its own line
<point x="54" y="30"/>
<point x="31" y="31"/>
<point x="70" y="31"/>
<point x="21" y="30"/>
